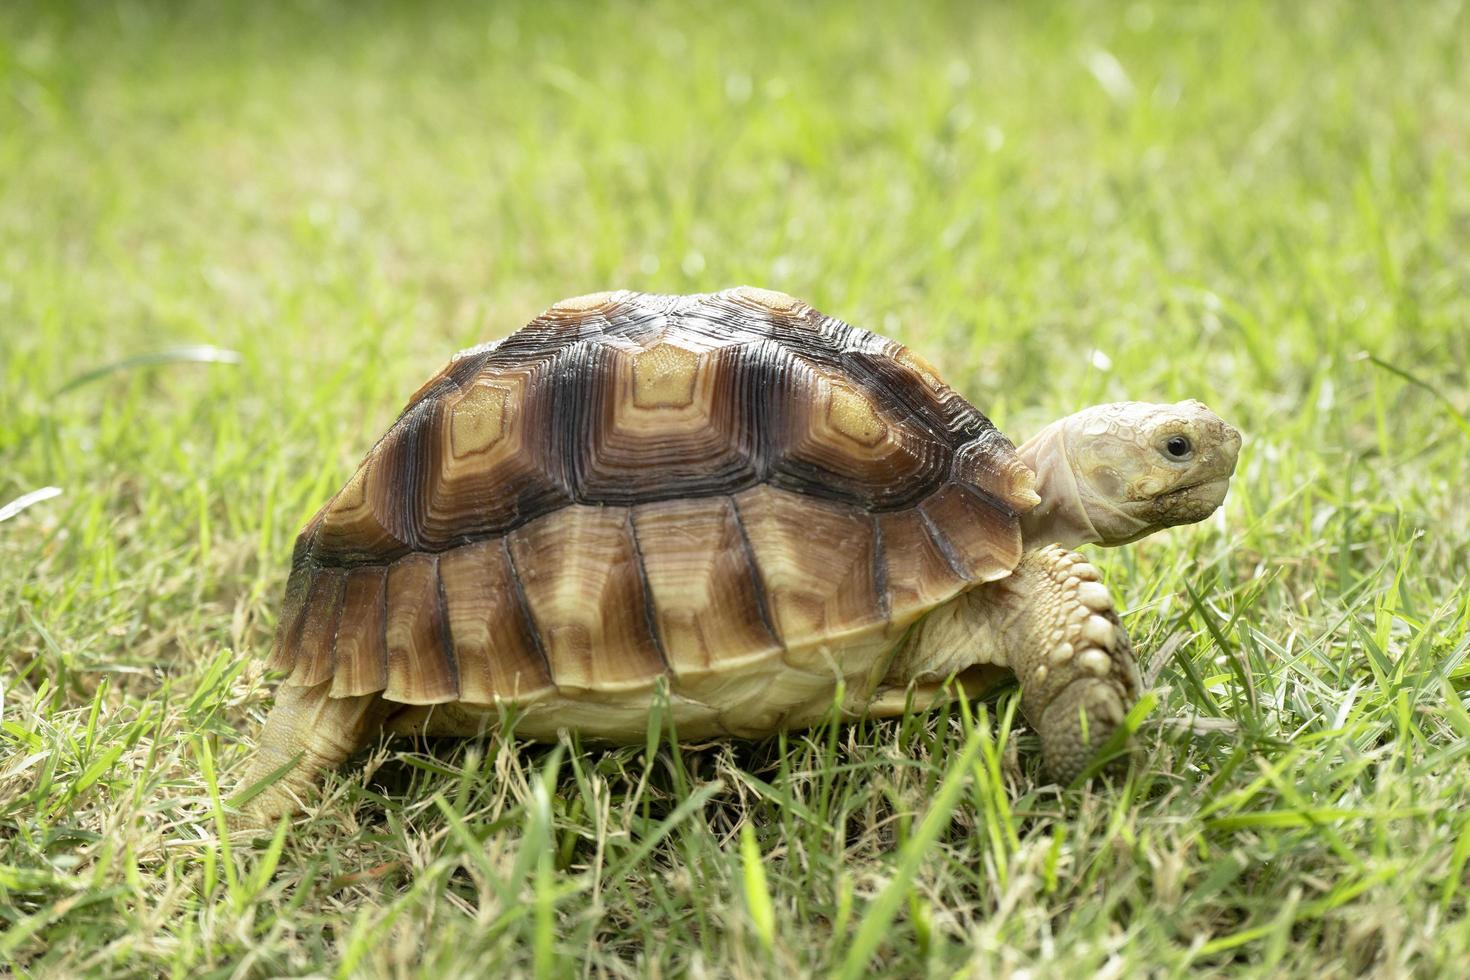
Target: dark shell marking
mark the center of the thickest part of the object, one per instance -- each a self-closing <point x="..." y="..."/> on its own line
<point x="635" y="485"/>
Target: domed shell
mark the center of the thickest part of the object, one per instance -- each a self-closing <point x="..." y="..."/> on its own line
<point x="635" y="486"/>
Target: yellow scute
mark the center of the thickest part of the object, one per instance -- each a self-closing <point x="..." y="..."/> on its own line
<point x="777" y="302"/>
<point x="851" y="414"/>
<point x="664" y="375"/>
<point x="584" y="304"/>
<point x="477" y="419"/>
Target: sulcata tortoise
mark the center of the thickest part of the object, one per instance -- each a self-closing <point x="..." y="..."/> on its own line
<point x="728" y="500"/>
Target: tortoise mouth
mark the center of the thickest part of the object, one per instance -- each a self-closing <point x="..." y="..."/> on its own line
<point x="1186" y="505"/>
<point x="1221" y="483"/>
<point x="1178" y="493"/>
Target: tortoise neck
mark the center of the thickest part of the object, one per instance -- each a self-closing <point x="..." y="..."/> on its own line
<point x="1061" y="517"/>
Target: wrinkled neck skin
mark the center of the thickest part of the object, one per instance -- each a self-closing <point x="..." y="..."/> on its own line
<point x="1060" y="518"/>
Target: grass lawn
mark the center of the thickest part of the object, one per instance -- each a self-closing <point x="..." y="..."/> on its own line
<point x="1263" y="206"/>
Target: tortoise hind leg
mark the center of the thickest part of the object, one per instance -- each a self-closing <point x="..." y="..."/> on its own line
<point x="322" y="730"/>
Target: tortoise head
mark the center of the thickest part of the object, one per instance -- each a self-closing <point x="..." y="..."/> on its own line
<point x="1112" y="474"/>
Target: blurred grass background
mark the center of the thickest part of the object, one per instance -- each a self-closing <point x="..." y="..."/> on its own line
<point x="1262" y="205"/>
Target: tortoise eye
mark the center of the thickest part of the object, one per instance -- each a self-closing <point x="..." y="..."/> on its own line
<point x="1179" y="447"/>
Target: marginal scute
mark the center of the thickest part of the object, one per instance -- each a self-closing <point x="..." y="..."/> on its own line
<point x="706" y="593"/>
<point x="293" y="603"/>
<point x="421" y="668"/>
<point x="495" y="643"/>
<point x="817" y="562"/>
<point x="919" y="576"/>
<point x="990" y="464"/>
<point x="362" y="649"/>
<point x="982" y="543"/>
<point x="584" y="585"/>
<point x="317" y="636"/>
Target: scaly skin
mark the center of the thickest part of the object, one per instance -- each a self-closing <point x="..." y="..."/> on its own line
<point x="1071" y="654"/>
<point x="322" y="730"/>
<point x="1053" y="625"/>
<point x="1107" y="475"/>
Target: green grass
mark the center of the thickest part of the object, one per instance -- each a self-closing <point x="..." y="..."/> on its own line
<point x="1265" y="207"/>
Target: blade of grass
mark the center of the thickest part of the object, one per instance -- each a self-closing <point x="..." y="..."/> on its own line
<point x="873" y="928"/>
<point x="1455" y="414"/>
<point x="184" y="354"/>
<point x="28" y="500"/>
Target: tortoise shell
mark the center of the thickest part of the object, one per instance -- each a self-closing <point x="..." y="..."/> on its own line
<point x="635" y="486"/>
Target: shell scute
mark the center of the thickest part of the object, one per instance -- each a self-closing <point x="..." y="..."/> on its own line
<point x="421" y="666"/>
<point x="584" y="586"/>
<point x="981" y="544"/>
<point x="495" y="465"/>
<point x="708" y="605"/>
<point x="768" y="300"/>
<point x="837" y="441"/>
<point x="818" y="564"/>
<point x="920" y="576"/>
<point x="362" y="648"/>
<point x="316" y="639"/>
<point x="495" y="643"/>
<point x="666" y="421"/>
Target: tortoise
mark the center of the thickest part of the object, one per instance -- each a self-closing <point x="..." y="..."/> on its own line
<point x="728" y="504"/>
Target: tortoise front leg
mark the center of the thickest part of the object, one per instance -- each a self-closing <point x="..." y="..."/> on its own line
<point x="323" y="731"/>
<point x="1071" y="655"/>
<point x="1053" y="624"/>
